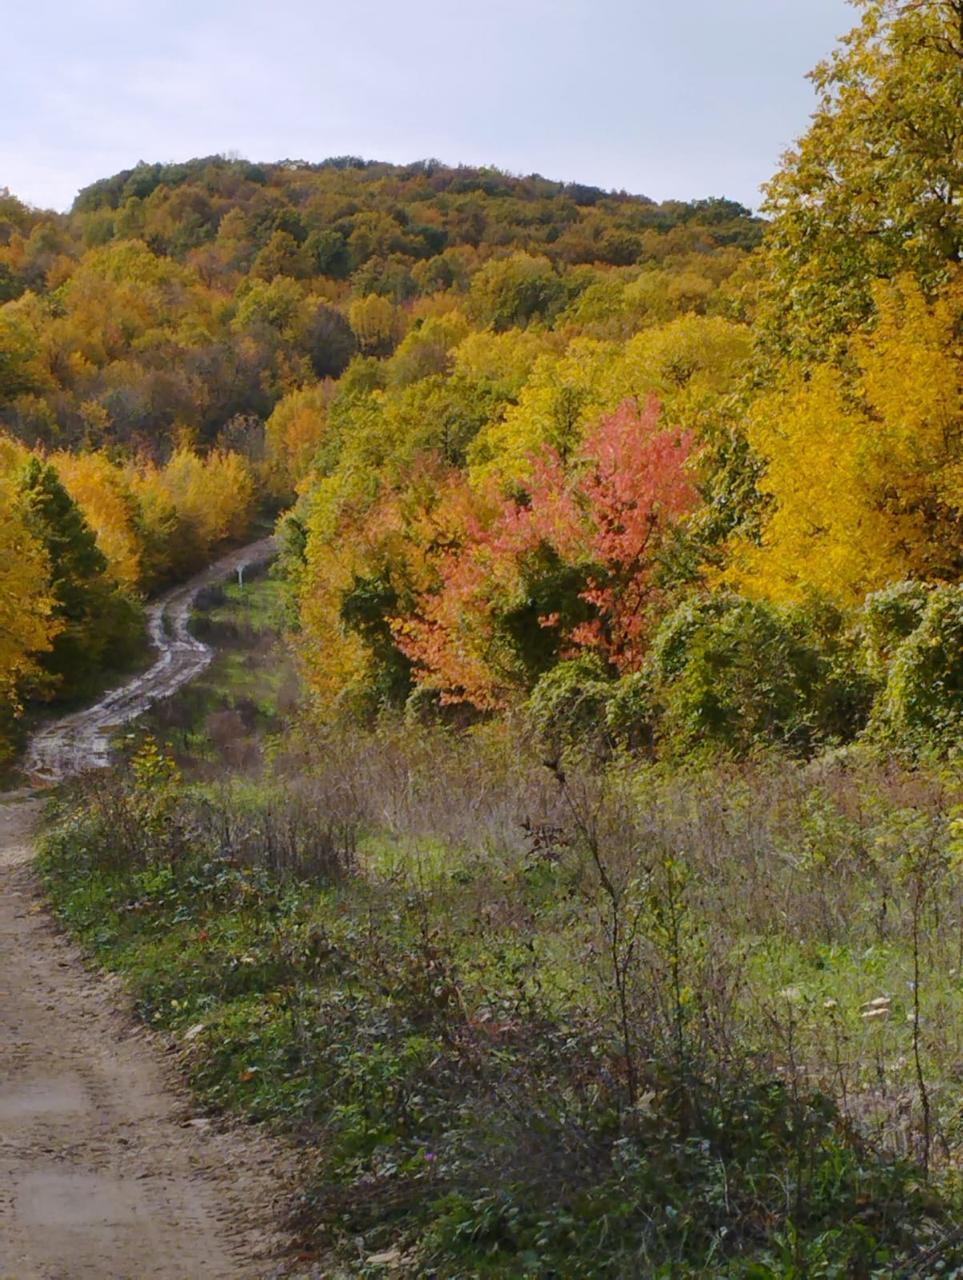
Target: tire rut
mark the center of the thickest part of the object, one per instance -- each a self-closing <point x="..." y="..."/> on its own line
<point x="81" y="741"/>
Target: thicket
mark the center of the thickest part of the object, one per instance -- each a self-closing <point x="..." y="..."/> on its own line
<point x="530" y="1021"/>
<point x="83" y="539"/>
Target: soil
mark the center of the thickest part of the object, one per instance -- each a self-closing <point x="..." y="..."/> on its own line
<point x="106" y="1172"/>
<point x="82" y="740"/>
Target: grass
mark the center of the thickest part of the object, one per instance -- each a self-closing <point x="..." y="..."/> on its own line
<point x="412" y="950"/>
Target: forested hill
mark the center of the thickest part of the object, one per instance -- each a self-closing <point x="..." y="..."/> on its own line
<point x="178" y="207"/>
<point x="184" y="295"/>
<point x="541" y="447"/>
<point x="592" y="906"/>
<point x="147" y="336"/>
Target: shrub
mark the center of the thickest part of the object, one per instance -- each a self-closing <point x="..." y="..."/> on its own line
<point x="889" y="617"/>
<point x="733" y="673"/>
<point x="922" y="703"/>
<point x="553" y="1048"/>
<point x="568" y="704"/>
<point x="629" y="713"/>
<point x="841" y="695"/>
<point x="729" y="673"/>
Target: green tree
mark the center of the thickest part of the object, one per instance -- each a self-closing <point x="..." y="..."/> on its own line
<point x="515" y="290"/>
<point x="328" y="341"/>
<point x="19" y="370"/>
<point x="922" y="703"/>
<point x="873" y="188"/>
<point x="281" y="256"/>
<point x="99" y="624"/>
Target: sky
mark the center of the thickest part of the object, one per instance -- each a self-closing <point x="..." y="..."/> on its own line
<point x="659" y="97"/>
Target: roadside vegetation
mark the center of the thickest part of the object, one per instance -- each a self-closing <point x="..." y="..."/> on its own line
<point x="526" y="1023"/>
<point x="594" y="907"/>
<point x="230" y="714"/>
<point x="530" y="1003"/>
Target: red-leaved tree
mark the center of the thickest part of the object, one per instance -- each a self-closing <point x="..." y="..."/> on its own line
<point x="608" y="514"/>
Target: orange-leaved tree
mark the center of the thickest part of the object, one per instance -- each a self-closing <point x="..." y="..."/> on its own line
<point x="570" y="562"/>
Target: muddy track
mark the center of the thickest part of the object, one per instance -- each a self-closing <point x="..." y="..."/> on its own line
<point x="82" y="740"/>
<point x="105" y="1172"/>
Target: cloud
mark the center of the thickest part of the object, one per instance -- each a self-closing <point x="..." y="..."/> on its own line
<point x="623" y="93"/>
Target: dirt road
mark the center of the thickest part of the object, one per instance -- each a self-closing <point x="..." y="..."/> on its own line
<point x="82" y="740"/>
<point x="105" y="1174"/>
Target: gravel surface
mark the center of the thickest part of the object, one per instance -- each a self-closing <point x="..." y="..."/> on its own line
<point x="82" y="740"/>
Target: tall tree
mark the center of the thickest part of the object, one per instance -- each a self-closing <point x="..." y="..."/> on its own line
<point x="97" y="623"/>
<point x="862" y="468"/>
<point x="874" y="187"/>
<point x="570" y="563"/>
<point x="27" y="621"/>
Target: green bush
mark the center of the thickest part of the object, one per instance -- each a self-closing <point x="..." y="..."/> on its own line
<point x="889" y="616"/>
<point x="840" y="696"/>
<point x="629" y="712"/>
<point x="568" y="704"/>
<point x="733" y="674"/>
<point x="921" y="705"/>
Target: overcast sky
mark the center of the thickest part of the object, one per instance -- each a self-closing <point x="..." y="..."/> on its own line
<point x="671" y="98"/>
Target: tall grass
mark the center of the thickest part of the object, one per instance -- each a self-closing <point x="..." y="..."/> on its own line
<point x="540" y="1018"/>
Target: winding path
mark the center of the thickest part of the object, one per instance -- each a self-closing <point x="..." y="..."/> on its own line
<point x="82" y="740"/>
<point x="105" y="1173"/>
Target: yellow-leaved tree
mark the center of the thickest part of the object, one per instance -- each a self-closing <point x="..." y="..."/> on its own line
<point x="100" y="490"/>
<point x="863" y="461"/>
<point x="215" y="494"/>
<point x="27" y="624"/>
<point x="691" y="363"/>
<point x="293" y="433"/>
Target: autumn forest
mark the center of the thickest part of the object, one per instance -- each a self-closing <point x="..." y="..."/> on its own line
<point x="635" y="526"/>
<point x="542" y="442"/>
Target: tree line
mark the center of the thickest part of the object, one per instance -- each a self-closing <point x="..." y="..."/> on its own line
<point x="683" y="475"/>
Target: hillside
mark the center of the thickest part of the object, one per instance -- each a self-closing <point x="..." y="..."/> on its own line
<point x="179" y="296"/>
<point x="562" y="848"/>
<point x="147" y="335"/>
